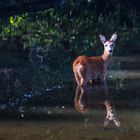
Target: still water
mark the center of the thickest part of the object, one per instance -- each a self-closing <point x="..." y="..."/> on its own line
<point x="101" y="111"/>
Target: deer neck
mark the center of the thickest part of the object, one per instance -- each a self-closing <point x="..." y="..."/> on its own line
<point x="106" y="57"/>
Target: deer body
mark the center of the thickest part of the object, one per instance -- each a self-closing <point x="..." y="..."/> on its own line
<point x="93" y="68"/>
<point x="89" y="68"/>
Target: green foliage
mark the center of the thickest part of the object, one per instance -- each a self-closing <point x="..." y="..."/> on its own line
<point x="73" y="29"/>
<point x="14" y="27"/>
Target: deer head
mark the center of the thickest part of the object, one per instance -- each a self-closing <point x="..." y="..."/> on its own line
<point x="108" y="44"/>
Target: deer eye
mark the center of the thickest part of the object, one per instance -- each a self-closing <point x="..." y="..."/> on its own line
<point x="105" y="45"/>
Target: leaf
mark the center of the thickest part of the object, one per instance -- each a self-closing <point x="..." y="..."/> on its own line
<point x="12" y="20"/>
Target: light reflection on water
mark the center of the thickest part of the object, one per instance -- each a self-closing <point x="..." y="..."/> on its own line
<point x="50" y="113"/>
<point x="63" y="121"/>
<point x="87" y="128"/>
<point x="96" y="94"/>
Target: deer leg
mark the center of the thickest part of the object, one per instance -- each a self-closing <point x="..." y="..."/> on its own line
<point x="111" y="115"/>
<point x="83" y="81"/>
<point x="77" y="78"/>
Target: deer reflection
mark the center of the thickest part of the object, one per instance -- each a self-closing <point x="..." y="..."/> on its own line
<point x="92" y="95"/>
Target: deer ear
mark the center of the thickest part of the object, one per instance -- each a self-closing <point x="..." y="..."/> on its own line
<point x="102" y="38"/>
<point x="113" y="37"/>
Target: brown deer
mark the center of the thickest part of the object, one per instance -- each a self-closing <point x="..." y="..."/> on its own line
<point x="87" y="69"/>
<point x="90" y="96"/>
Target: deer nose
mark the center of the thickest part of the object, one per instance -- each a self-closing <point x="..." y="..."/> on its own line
<point x="110" y="51"/>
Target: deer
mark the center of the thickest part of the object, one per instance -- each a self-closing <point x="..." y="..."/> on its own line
<point x="88" y="69"/>
<point x="89" y="97"/>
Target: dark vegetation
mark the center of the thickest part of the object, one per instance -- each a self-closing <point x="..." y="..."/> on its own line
<point x="39" y="39"/>
<point x="72" y="26"/>
<point x="66" y="29"/>
<point x="51" y="34"/>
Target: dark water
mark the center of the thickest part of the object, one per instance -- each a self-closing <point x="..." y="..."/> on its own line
<point x="85" y="128"/>
<point x="64" y="111"/>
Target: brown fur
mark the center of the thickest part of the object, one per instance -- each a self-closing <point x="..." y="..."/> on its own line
<point x="87" y="69"/>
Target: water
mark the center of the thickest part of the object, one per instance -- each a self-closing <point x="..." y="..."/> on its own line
<point x="85" y="128"/>
<point x="64" y="111"/>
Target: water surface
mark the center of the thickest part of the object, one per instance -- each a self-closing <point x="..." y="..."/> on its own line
<point x="32" y="111"/>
